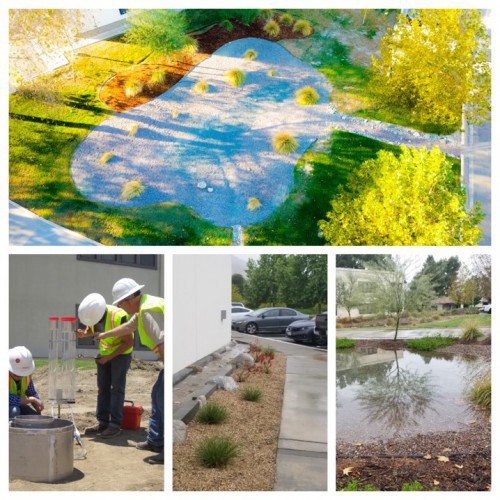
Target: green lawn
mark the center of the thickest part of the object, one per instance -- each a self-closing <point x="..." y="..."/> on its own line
<point x="81" y="364"/>
<point x="483" y="320"/>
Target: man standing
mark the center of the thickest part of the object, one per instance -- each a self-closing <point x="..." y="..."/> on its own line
<point x="113" y="362"/>
<point x="147" y="317"/>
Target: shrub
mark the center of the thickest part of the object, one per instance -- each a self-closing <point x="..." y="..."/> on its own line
<point x="106" y="157"/>
<point x="272" y="28"/>
<point x="235" y="77"/>
<point x="470" y="331"/>
<point x="133" y="129"/>
<point x="212" y="414"/>
<point x="286" y="19"/>
<point x="227" y="25"/>
<point x="250" y="55"/>
<point x="201" y="87"/>
<point x="266" y="13"/>
<point x="132" y="189"/>
<point x="303" y="27"/>
<point x="345" y="343"/>
<point x="217" y="451"/>
<point x="284" y="143"/>
<point x="430" y="343"/>
<point x="253" y="204"/>
<point x="480" y="392"/>
<point x="133" y="88"/>
<point x="158" y="77"/>
<point x="253" y="394"/>
<point x="242" y="374"/>
<point x="307" y="96"/>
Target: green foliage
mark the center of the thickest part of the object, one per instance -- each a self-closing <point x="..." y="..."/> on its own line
<point x="162" y="31"/>
<point x="266" y="13"/>
<point x="436" y="65"/>
<point x="106" y="157"/>
<point x="471" y="330"/>
<point x="212" y="414"/>
<point x="303" y="27"/>
<point x="430" y="343"/>
<point x="286" y="19"/>
<point x="133" y="87"/>
<point x="235" y="77"/>
<point x="227" y="25"/>
<point x="132" y="189"/>
<point x="253" y="204"/>
<point x="250" y="55"/>
<point x="158" y="77"/>
<point x="285" y="143"/>
<point x="217" y="451"/>
<point x="344" y="343"/>
<point x="307" y="96"/>
<point x="201" y="87"/>
<point x="353" y="485"/>
<point x="272" y="28"/>
<point x="480" y="392"/>
<point x="253" y="394"/>
<point x="200" y="18"/>
<point x="442" y="273"/>
<point x="415" y="486"/>
<point x="413" y="199"/>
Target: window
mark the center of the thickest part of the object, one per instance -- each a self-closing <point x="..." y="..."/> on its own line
<point x="288" y="312"/>
<point x="144" y="261"/>
<point x="122" y="11"/>
<point x="273" y="313"/>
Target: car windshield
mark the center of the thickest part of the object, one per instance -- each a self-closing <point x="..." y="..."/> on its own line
<point x="257" y="312"/>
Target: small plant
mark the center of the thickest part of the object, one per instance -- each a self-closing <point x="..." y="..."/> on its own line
<point x="415" y="486"/>
<point x="250" y="55"/>
<point x="132" y="189"/>
<point x="212" y="414"/>
<point x="133" y="88"/>
<point x="266" y="13"/>
<point x="269" y="352"/>
<point x="227" y="25"/>
<point x="235" y="77"/>
<point x="201" y="87"/>
<point x="303" y="27"/>
<point x="106" y="157"/>
<point x="242" y="374"/>
<point x="158" y="77"/>
<point x="285" y="143"/>
<point x="271" y="72"/>
<point x="253" y="394"/>
<point x="217" y="451"/>
<point x="307" y="96"/>
<point x="345" y="343"/>
<point x="480" y="392"/>
<point x="272" y="28"/>
<point x="354" y="486"/>
<point x="286" y="19"/>
<point x="253" y="204"/>
<point x="133" y="129"/>
<point x="470" y="331"/>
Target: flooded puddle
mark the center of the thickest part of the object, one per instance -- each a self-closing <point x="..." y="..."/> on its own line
<point x="384" y="394"/>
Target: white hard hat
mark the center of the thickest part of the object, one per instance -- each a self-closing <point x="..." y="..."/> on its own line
<point x="124" y="288"/>
<point x="92" y="309"/>
<point x="21" y="361"/>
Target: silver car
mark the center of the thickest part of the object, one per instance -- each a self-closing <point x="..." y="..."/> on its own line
<point x="268" y="320"/>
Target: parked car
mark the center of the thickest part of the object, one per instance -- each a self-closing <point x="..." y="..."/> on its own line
<point x="321" y="328"/>
<point x="237" y="304"/>
<point x="238" y="313"/>
<point x="301" y="331"/>
<point x="268" y="320"/>
<point x="486" y="308"/>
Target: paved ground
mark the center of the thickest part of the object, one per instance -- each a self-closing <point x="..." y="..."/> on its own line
<point x="355" y="333"/>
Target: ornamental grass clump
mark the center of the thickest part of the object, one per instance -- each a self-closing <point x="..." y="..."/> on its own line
<point x="158" y="77"/>
<point x="272" y="28"/>
<point x="253" y="204"/>
<point x="217" y="451"/>
<point x="201" y="87"/>
<point x="266" y="13"/>
<point x="286" y="19"/>
<point x="303" y="27"/>
<point x="480" y="392"/>
<point x="307" y="96"/>
<point x="132" y="189"/>
<point x="470" y="331"/>
<point x="227" y="25"/>
<point x="285" y="143"/>
<point x="250" y="55"/>
<point x="106" y="157"/>
<point x="133" y="88"/>
<point x="212" y="414"/>
<point x="253" y="394"/>
<point x="235" y="77"/>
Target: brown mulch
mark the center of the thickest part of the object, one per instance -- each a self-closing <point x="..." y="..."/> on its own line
<point x="112" y="93"/>
<point x="253" y="426"/>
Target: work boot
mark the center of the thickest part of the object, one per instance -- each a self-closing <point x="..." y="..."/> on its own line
<point x="147" y="446"/>
<point x="94" y="429"/>
<point x="110" y="432"/>
<point x="157" y="459"/>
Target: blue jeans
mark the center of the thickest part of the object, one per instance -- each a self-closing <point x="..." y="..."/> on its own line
<point x="156" y="422"/>
<point x="14" y="411"/>
<point x="111" y="379"/>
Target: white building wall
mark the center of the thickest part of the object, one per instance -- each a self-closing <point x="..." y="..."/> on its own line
<point x="201" y="296"/>
<point x="41" y="286"/>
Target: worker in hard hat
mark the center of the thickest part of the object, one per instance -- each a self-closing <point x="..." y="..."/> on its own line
<point x="113" y="362"/>
<point x="23" y="398"/>
<point x="147" y="317"/>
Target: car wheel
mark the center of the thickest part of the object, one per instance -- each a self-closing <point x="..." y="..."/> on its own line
<point x="251" y="328"/>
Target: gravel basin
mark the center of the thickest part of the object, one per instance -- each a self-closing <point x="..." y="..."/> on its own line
<point x="211" y="151"/>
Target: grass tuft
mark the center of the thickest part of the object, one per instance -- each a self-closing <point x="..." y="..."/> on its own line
<point x="266" y="13"/>
<point x="253" y="204"/>
<point x="227" y="25"/>
<point x="253" y="394"/>
<point x="217" y="451"/>
<point x="430" y="343"/>
<point x="307" y="96"/>
<point x="133" y="88"/>
<point x="285" y="143"/>
<point x="303" y="27"/>
<point x="480" y="392"/>
<point x="286" y="19"/>
<point x="470" y="330"/>
<point x="106" y="157"/>
<point x="212" y="414"/>
<point x="235" y="77"/>
<point x="272" y="28"/>
<point x="345" y="343"/>
<point x="201" y="87"/>
<point x="250" y="55"/>
<point x="132" y="189"/>
<point x="158" y="77"/>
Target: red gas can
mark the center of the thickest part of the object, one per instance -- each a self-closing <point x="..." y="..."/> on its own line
<point x="131" y="416"/>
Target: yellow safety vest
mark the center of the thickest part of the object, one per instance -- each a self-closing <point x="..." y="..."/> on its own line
<point x="149" y="303"/>
<point x="21" y="391"/>
<point x="114" y="317"/>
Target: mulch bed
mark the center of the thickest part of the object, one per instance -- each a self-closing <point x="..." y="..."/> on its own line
<point x="112" y="93"/>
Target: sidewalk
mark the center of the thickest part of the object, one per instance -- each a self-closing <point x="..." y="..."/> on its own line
<point x="301" y="461"/>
